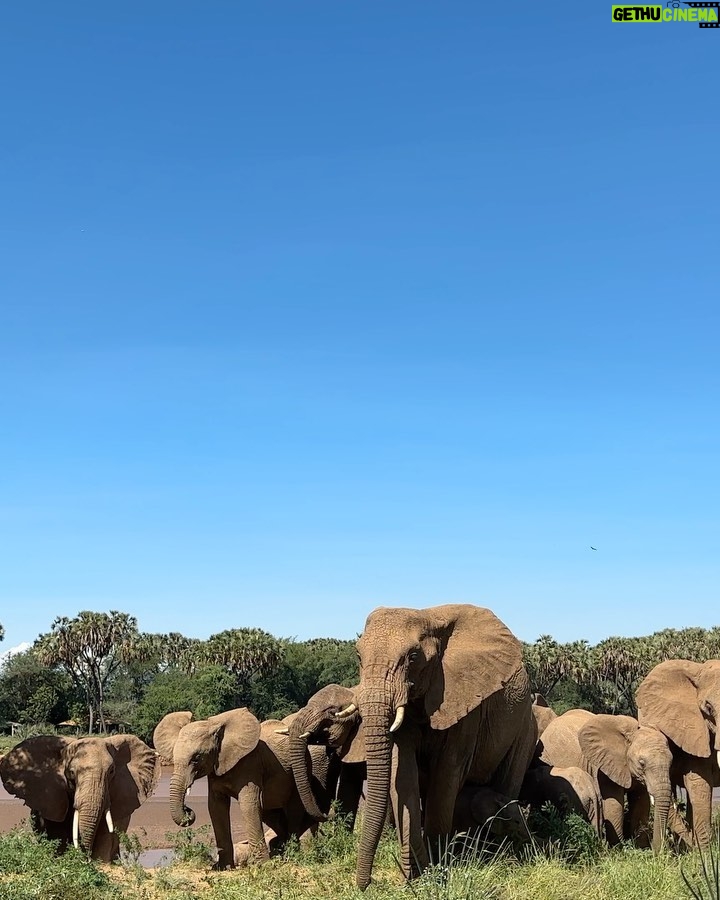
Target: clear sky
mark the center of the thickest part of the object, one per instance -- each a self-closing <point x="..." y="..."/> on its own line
<point x="310" y="307"/>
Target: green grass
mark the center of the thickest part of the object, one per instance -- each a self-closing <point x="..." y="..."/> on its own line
<point x="323" y="869"/>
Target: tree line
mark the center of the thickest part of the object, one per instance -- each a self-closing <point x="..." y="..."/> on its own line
<point x="100" y="671"/>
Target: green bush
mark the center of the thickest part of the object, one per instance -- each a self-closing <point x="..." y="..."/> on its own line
<point x="567" y="836"/>
<point x="32" y="869"/>
<point x="192" y="846"/>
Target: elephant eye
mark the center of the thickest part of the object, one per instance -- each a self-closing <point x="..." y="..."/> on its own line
<point x="412" y="656"/>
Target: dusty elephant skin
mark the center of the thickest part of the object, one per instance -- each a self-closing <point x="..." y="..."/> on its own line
<point x="82" y="790"/>
<point x="682" y="699"/>
<point x="444" y="698"/>
<point x="316" y="723"/>
<point x="627" y="759"/>
<point x="241" y="758"/>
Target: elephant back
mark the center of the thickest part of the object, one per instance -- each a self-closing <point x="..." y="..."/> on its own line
<point x="559" y="744"/>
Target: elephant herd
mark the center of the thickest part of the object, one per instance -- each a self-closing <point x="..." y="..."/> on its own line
<point x="440" y="734"/>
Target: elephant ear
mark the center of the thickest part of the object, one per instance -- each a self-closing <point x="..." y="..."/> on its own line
<point x="34" y="771"/>
<point x="137" y="769"/>
<point x="667" y="698"/>
<point x="605" y="741"/>
<point x="479" y="655"/>
<point x="238" y="734"/>
<point x="167" y="731"/>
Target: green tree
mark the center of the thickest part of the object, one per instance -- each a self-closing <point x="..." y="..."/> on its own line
<point x="206" y="692"/>
<point x="549" y="662"/>
<point x="91" y="648"/>
<point x="33" y="693"/>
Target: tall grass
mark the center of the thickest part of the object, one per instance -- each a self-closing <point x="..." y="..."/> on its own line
<point x="323" y="869"/>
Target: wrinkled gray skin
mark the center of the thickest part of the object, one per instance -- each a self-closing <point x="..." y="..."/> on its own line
<point x="626" y="758"/>
<point x="241" y="758"/>
<point x="570" y="789"/>
<point x="682" y="699"/>
<point x="485" y="815"/>
<point x="444" y="699"/>
<point x="61" y="778"/>
<point x="316" y="723"/>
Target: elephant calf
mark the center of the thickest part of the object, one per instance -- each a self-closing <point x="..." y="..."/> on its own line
<point x="486" y="814"/>
<point x="241" y="758"/>
<point x="569" y="789"/>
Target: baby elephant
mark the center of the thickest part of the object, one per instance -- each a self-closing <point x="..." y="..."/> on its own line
<point x="569" y="789"/>
<point x="490" y="816"/>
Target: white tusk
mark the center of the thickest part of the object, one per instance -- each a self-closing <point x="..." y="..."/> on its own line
<point x="399" y="716"/>
<point x="305" y="735"/>
<point x="652" y="799"/>
<point x="282" y="731"/>
<point x="344" y="713"/>
<point x="718" y="757"/>
<point x="76" y="828"/>
<point x="109" y="821"/>
<point x="187" y="791"/>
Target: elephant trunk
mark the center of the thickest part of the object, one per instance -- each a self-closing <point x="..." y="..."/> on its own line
<point x="378" y="749"/>
<point x="302" y="763"/>
<point x="88" y="819"/>
<point x="661" y="791"/>
<point x="181" y="814"/>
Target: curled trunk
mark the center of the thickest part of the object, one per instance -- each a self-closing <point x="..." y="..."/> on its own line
<point x="302" y="772"/>
<point x="181" y="814"/>
<point x="378" y="748"/>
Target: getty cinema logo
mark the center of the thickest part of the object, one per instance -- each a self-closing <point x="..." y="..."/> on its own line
<point x="705" y="14"/>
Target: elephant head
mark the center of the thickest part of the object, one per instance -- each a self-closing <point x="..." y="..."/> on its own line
<point x="101" y="779"/>
<point x="317" y="723"/>
<point x="479" y="810"/>
<point x="205" y="747"/>
<point x="542" y="712"/>
<point x="682" y="699"/>
<point x="628" y="752"/>
<point x="442" y="662"/>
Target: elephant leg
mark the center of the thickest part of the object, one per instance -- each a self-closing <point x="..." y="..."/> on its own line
<point x="349" y="791"/>
<point x="405" y="796"/>
<point x="698" y="785"/>
<point x="638" y="818"/>
<point x="613" y="797"/>
<point x="250" y="801"/>
<point x="219" y="810"/>
<point x="442" y="793"/>
<point x="276" y="819"/>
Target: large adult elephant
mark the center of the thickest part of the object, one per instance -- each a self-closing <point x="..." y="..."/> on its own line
<point x="241" y="758"/>
<point x="82" y="790"/>
<point x="444" y="699"/>
<point x="626" y="758"/>
<point x="316" y="723"/>
<point x="682" y="699"/>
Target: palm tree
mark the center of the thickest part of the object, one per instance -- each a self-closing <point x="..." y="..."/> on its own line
<point x="91" y="648"/>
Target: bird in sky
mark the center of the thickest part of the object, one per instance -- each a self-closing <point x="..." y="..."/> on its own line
<point x="593" y="548"/>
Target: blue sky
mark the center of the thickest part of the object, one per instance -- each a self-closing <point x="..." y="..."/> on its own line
<point x="312" y="307"/>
